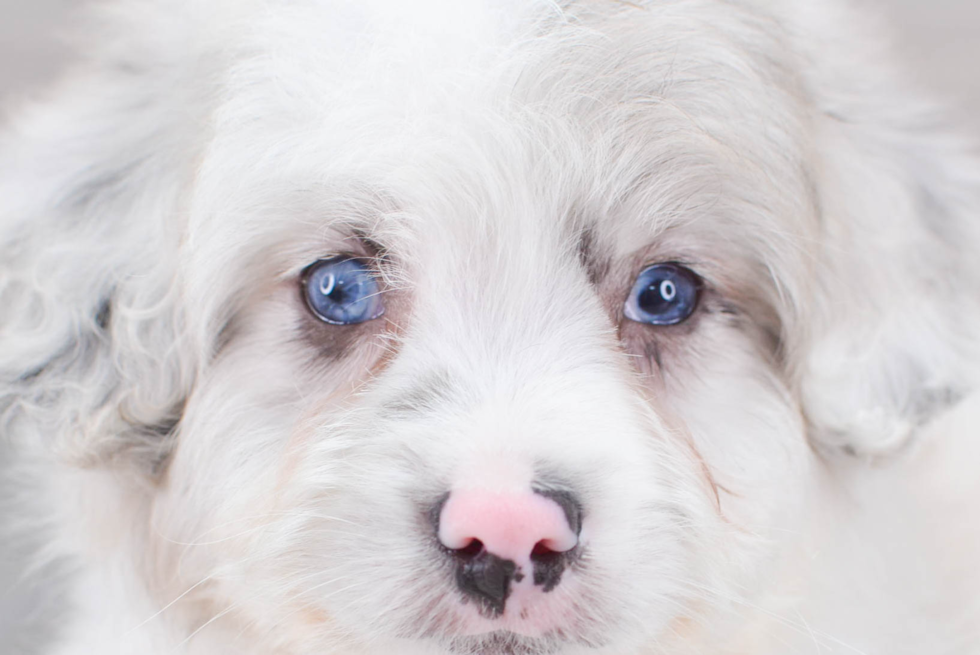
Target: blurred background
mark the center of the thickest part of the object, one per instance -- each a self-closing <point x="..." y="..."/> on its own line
<point x="939" y="40"/>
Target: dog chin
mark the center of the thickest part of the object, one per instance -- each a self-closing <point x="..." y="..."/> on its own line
<point x="509" y="643"/>
<point x="526" y="616"/>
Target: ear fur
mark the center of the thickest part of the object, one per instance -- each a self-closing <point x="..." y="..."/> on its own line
<point x="94" y="360"/>
<point x="894" y="313"/>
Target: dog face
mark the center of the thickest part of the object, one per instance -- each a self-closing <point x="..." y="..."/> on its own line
<point x="511" y="331"/>
<point x="555" y="290"/>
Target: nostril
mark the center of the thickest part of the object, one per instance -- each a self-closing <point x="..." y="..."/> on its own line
<point x="470" y="551"/>
<point x="542" y="550"/>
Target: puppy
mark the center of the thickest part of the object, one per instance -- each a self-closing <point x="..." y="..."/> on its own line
<point x="492" y="328"/>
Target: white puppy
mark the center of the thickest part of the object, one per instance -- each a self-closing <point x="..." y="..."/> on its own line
<point x="491" y="328"/>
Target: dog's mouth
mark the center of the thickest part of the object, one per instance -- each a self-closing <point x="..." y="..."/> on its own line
<point x="515" y="639"/>
<point x="461" y="637"/>
<point x="509" y="643"/>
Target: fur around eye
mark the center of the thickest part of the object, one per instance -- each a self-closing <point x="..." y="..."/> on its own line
<point x="663" y="294"/>
<point x="341" y="291"/>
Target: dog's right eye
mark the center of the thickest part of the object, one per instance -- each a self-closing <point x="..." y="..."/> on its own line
<point x="342" y="291"/>
<point x="663" y="294"/>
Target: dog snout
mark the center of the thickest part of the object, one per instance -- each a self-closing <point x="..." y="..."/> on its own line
<point x="503" y="539"/>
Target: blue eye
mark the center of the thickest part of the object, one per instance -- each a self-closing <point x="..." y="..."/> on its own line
<point x="664" y="294"/>
<point x="342" y="291"/>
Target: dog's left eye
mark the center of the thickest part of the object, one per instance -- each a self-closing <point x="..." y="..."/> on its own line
<point x="664" y="294"/>
<point x="342" y="291"/>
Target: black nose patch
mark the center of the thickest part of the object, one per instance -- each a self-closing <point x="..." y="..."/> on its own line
<point x="486" y="579"/>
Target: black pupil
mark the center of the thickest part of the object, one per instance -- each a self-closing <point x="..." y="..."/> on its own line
<point x="658" y="296"/>
<point x="335" y="288"/>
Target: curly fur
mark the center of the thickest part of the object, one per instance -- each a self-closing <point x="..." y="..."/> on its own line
<point x="223" y="474"/>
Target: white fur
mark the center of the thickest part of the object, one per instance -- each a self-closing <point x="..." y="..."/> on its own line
<point x="220" y="481"/>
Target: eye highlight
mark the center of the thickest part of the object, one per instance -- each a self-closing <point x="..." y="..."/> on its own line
<point x="663" y="294"/>
<point x="341" y="291"/>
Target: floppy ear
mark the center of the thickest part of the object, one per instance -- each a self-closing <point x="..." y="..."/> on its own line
<point x="894" y="319"/>
<point x="94" y="359"/>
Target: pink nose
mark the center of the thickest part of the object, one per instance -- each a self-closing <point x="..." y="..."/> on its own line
<point x="511" y="526"/>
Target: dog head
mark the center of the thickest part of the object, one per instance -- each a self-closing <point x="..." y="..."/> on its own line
<point x="480" y="330"/>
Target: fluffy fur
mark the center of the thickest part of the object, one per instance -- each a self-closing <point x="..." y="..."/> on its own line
<point x="224" y="474"/>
